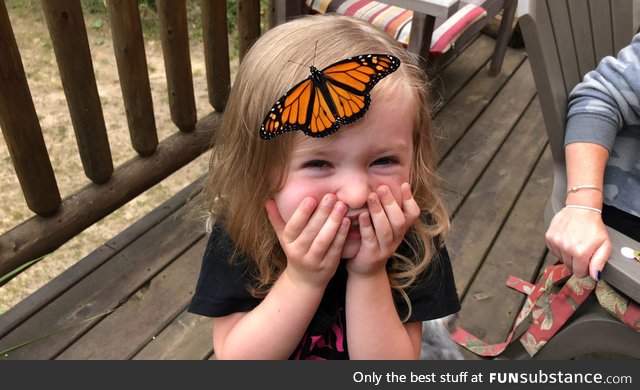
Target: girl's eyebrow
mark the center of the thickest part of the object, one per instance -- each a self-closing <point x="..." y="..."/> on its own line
<point x="391" y="147"/>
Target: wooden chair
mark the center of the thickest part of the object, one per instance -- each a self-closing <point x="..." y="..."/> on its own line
<point x="427" y="16"/>
<point x="564" y="42"/>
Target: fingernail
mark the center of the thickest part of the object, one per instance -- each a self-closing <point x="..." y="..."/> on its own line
<point x="598" y="274"/>
<point x="384" y="191"/>
<point x="340" y="208"/>
<point x="373" y="200"/>
<point x="308" y="203"/>
<point x="329" y="200"/>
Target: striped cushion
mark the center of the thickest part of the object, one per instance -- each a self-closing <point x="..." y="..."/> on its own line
<point x="396" y="21"/>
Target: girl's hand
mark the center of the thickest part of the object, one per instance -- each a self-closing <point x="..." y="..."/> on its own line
<point x="382" y="229"/>
<point x="312" y="239"/>
<point x="580" y="239"/>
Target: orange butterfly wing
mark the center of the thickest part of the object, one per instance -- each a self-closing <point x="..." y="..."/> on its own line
<point x="302" y="108"/>
<point x="335" y="96"/>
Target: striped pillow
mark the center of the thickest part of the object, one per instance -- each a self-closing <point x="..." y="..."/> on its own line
<point x="396" y="21"/>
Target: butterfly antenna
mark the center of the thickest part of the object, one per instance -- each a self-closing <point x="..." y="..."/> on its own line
<point x="297" y="63"/>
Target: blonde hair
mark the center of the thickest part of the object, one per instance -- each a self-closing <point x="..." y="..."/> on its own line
<point x="246" y="171"/>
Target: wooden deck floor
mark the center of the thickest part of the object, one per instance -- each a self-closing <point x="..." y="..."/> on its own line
<point x="497" y="170"/>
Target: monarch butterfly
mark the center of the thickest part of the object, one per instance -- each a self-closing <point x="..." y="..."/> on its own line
<point x="334" y="96"/>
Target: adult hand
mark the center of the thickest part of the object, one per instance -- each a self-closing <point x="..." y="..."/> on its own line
<point x="312" y="239"/>
<point x="382" y="229"/>
<point x="579" y="238"/>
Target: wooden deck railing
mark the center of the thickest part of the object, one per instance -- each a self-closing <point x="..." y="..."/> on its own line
<point x="57" y="219"/>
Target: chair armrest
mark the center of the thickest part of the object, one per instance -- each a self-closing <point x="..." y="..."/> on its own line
<point x="620" y="272"/>
<point x="441" y="9"/>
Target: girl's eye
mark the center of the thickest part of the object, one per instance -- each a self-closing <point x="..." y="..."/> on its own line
<point x="388" y="160"/>
<point x="316" y="164"/>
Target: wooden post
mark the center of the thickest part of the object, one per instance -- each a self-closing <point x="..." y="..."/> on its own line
<point x="271" y="14"/>
<point x="284" y="10"/>
<point x="128" y="45"/>
<point x="248" y="24"/>
<point x="21" y="129"/>
<point x="70" y="43"/>
<point x="421" y="32"/>
<point x="216" y="51"/>
<point x="174" y="35"/>
<point x="504" y="34"/>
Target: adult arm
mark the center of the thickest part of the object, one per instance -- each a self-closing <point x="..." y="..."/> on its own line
<point x="578" y="236"/>
<point x="606" y="100"/>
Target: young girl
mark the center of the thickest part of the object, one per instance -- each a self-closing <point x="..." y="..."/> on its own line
<point x="324" y="248"/>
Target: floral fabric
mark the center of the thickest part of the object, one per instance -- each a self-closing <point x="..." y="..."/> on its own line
<point x="549" y="311"/>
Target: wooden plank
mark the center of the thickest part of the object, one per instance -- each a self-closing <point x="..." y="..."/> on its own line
<point x="216" y="51"/>
<point x="56" y="287"/>
<point x="545" y="65"/>
<point x="21" y="129"/>
<point x="27" y="241"/>
<point x="188" y="337"/>
<point x="559" y="14"/>
<point x="69" y="37"/>
<point x="248" y="25"/>
<point x="464" y="164"/>
<point x="622" y="13"/>
<point x="128" y="45"/>
<point x="174" y="36"/>
<point x="104" y="289"/>
<point x="489" y="308"/>
<point x="581" y="25"/>
<point x="479" y="219"/>
<point x="602" y="29"/>
<point x="461" y="112"/>
<point x="459" y="71"/>
<point x="133" y="324"/>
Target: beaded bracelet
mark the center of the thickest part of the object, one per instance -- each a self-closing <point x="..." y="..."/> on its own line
<point x="576" y="206"/>
<point x="583" y="187"/>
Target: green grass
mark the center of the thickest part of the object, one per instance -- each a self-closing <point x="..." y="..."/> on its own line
<point x="97" y="18"/>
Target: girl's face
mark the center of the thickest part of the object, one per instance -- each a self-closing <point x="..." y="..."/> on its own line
<point x="352" y="163"/>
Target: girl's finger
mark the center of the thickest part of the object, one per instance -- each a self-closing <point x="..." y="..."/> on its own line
<point x="338" y="242"/>
<point x="312" y="227"/>
<point x="394" y="213"/>
<point x="367" y="234"/>
<point x="292" y="229"/>
<point x="327" y="234"/>
<point x="383" y="230"/>
<point x="409" y="205"/>
<point x="274" y="217"/>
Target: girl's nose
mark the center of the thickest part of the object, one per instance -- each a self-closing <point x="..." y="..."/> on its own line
<point x="354" y="191"/>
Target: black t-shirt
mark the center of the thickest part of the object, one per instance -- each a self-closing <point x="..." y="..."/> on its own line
<point x="222" y="290"/>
